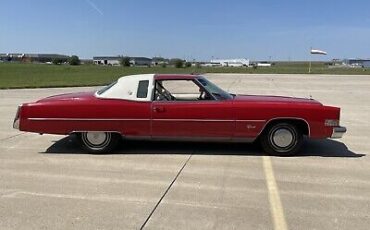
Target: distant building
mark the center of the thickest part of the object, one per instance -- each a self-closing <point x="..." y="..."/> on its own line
<point x="263" y="64"/>
<point x="336" y="62"/>
<point x="22" y="57"/>
<point x="140" y="61"/>
<point x="210" y="64"/>
<point x="356" y="62"/>
<point x="230" y="62"/>
<point x="115" y="60"/>
<point x="105" y="60"/>
<point x="160" y="61"/>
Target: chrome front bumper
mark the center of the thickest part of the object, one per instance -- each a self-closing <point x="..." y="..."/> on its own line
<point x="338" y="132"/>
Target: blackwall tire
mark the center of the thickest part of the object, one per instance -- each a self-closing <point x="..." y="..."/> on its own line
<point x="282" y="139"/>
<point x="99" y="142"/>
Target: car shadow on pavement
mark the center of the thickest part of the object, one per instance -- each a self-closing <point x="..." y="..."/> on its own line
<point x="321" y="148"/>
<point x="327" y="148"/>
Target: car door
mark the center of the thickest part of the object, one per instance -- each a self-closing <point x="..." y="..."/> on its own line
<point x="190" y="117"/>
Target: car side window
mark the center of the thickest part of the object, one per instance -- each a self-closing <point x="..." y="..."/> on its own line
<point x="179" y="90"/>
<point x="142" y="90"/>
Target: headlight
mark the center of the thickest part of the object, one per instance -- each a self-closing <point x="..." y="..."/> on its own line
<point x="331" y="123"/>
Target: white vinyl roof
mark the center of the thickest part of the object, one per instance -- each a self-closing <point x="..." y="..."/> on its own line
<point x="126" y="88"/>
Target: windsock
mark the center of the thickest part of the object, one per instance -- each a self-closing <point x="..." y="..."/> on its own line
<point x="318" y="52"/>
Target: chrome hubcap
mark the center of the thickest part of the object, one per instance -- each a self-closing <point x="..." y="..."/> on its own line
<point x="282" y="138"/>
<point x="96" y="138"/>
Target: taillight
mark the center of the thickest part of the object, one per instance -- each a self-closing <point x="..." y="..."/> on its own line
<point x="331" y="123"/>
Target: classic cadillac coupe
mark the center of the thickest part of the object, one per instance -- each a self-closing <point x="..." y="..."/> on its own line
<point x="179" y="107"/>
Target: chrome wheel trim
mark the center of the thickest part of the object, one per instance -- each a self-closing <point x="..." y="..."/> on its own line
<point x="96" y="140"/>
<point x="283" y="139"/>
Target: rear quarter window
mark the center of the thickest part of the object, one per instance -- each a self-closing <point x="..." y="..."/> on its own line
<point x="142" y="91"/>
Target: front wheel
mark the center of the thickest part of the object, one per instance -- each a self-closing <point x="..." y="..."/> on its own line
<point x="99" y="142"/>
<point x="282" y="139"/>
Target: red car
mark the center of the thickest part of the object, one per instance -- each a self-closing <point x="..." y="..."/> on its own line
<point x="179" y="107"/>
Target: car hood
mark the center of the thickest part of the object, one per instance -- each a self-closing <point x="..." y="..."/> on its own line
<point x="274" y="99"/>
<point x="69" y="96"/>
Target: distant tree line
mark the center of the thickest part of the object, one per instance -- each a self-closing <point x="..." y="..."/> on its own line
<point x="73" y="60"/>
<point x="125" y="61"/>
<point x="179" y="63"/>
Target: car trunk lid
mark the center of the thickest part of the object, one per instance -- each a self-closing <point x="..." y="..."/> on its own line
<point x="69" y="96"/>
<point x="274" y="99"/>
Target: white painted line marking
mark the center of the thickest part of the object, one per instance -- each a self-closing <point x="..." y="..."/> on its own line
<point x="276" y="207"/>
<point x="97" y="197"/>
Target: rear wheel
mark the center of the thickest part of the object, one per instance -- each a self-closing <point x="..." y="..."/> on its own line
<point x="282" y="139"/>
<point x="99" y="142"/>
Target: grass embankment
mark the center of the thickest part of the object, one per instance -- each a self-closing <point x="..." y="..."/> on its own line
<point x="19" y="75"/>
<point x="40" y="75"/>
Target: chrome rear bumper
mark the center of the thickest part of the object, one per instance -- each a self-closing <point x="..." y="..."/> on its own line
<point x="338" y="132"/>
<point x="17" y="118"/>
<point x="16" y="124"/>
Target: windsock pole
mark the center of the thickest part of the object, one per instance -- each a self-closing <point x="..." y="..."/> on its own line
<point x="315" y="51"/>
<point x="310" y="64"/>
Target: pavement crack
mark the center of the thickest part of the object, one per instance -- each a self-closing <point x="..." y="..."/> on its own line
<point x="165" y="193"/>
<point x="7" y="138"/>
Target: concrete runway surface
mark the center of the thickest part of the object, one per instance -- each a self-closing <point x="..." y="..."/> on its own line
<point x="46" y="182"/>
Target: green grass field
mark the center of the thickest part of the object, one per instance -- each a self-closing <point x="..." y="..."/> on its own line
<point x="19" y="75"/>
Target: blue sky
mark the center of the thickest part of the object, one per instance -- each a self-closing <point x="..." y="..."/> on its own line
<point x="192" y="29"/>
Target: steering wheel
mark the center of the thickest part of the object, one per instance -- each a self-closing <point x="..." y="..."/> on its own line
<point x="201" y="95"/>
<point x="165" y="94"/>
<point x="204" y="96"/>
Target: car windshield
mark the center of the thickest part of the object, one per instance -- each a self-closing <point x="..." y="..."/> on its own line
<point x="105" y="88"/>
<point x="219" y="93"/>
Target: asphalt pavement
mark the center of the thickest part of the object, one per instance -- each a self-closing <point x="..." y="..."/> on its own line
<point x="47" y="182"/>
